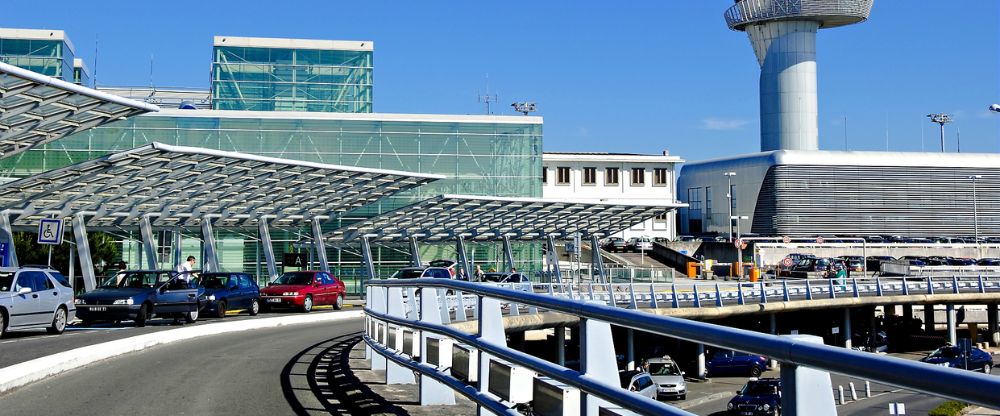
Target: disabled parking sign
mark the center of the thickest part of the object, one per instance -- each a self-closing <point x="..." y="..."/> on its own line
<point x="50" y="232"/>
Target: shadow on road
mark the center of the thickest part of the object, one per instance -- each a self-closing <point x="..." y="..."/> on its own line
<point x="319" y="378"/>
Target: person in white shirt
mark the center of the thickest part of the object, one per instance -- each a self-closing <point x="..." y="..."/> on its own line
<point x="184" y="269"/>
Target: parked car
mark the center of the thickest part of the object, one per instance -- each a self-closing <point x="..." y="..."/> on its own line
<point x="631" y="244"/>
<point x="961" y="261"/>
<point x="447" y="264"/>
<point x="915" y="260"/>
<point x="140" y="295"/>
<point x="725" y="362"/>
<point x="643" y="244"/>
<point x="615" y="244"/>
<point x="32" y="297"/>
<point x="854" y="263"/>
<point x="419" y="272"/>
<point x="757" y="398"/>
<point x="229" y="291"/>
<point x="501" y="277"/>
<point x="668" y="377"/>
<point x="305" y="289"/>
<point x="874" y="263"/>
<point x="639" y="382"/>
<point x="954" y="356"/>
<point x="989" y="261"/>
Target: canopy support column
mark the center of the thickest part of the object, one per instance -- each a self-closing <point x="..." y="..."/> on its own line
<point x="320" y="245"/>
<point x="553" y="260"/>
<point x="414" y="253"/>
<point x="7" y="237"/>
<point x="265" y="242"/>
<point x="148" y="243"/>
<point x="366" y="257"/>
<point x="177" y="241"/>
<point x="210" y="260"/>
<point x="598" y="262"/>
<point x="508" y="254"/>
<point x="462" y="258"/>
<point x="83" y="249"/>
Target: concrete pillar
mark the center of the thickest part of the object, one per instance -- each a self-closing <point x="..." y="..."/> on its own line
<point x="561" y="344"/>
<point x="929" y="323"/>
<point x="701" y="361"/>
<point x="806" y="391"/>
<point x="630" y="349"/>
<point x="907" y="311"/>
<point x="872" y="338"/>
<point x="847" y="328"/>
<point x="889" y="310"/>
<point x="992" y="332"/>
<point x="950" y="313"/>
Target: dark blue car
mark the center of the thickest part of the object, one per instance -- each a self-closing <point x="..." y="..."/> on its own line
<point x="139" y="295"/>
<point x="229" y="292"/>
<point x="757" y="398"/>
<point x="735" y="363"/>
<point x="954" y="356"/>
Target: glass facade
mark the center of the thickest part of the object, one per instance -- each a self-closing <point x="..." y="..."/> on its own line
<point x="80" y="75"/>
<point x="44" y="56"/>
<point x="280" y="79"/>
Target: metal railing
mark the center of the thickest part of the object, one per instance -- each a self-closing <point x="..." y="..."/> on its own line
<point x="751" y="11"/>
<point x="390" y="314"/>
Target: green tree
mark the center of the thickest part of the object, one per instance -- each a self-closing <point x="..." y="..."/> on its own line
<point x="102" y="247"/>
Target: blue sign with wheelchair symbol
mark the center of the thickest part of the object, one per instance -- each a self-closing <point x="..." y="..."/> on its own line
<point x="50" y="232"/>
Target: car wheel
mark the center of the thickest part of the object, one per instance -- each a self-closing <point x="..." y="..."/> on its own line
<point x="339" y="304"/>
<point x="254" y="307"/>
<point x="58" y="322"/>
<point x="3" y="322"/>
<point x="142" y="316"/>
<point x="220" y="311"/>
<point x="987" y="368"/>
<point x="307" y="305"/>
<point x="191" y="317"/>
<point x="754" y="371"/>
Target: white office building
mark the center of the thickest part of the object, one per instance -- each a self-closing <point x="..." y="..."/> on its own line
<point x="615" y="177"/>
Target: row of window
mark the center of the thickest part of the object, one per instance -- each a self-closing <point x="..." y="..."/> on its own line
<point x="694" y="201"/>
<point x="660" y="176"/>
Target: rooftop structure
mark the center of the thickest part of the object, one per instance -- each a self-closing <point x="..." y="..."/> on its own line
<point x="783" y="36"/>
<point x="267" y="74"/>
<point x="47" y="52"/>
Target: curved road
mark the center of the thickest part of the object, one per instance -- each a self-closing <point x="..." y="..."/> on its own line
<point x="266" y="371"/>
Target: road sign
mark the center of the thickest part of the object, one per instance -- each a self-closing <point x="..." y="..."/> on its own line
<point x="294" y="260"/>
<point x="50" y="232"/>
<point x="739" y="243"/>
<point x="786" y="239"/>
<point x="819" y="240"/>
<point x="787" y="262"/>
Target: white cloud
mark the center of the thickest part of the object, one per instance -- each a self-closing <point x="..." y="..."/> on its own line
<point x="723" y="124"/>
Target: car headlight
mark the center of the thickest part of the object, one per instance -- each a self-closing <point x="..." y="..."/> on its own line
<point x="123" y="301"/>
<point x="211" y="297"/>
<point x="290" y="294"/>
<point x="765" y="407"/>
<point x="79" y="302"/>
<point x="730" y="406"/>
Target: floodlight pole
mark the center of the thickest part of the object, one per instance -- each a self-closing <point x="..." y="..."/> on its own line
<point x="941" y="119"/>
<point x="729" y="194"/>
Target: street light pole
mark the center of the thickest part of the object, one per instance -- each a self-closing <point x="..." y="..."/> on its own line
<point x="729" y="193"/>
<point x="975" y="206"/>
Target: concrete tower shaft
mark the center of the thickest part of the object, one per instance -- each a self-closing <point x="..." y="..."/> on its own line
<point x="783" y="36"/>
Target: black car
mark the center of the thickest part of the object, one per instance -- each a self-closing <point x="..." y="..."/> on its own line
<point x="874" y="263"/>
<point x="140" y="295"/>
<point x="989" y="261"/>
<point x="757" y="398"/>
<point x="499" y="277"/>
<point x="229" y="291"/>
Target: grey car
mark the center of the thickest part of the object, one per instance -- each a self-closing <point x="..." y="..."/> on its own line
<point x="668" y="377"/>
<point x="32" y="297"/>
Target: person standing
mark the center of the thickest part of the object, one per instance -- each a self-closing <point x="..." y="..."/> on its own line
<point x="184" y="269"/>
<point x="478" y="274"/>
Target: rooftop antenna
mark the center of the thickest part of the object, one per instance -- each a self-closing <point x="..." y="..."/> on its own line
<point x="487" y="98"/>
<point x="151" y="71"/>
<point x="524" y="107"/>
<point x="958" y="136"/>
<point x="97" y="42"/>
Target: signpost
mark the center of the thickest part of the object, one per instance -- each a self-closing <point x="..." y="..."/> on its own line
<point x="50" y="232"/>
<point x="787" y="262"/>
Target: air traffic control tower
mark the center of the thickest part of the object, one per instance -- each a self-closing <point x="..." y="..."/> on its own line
<point x="783" y="35"/>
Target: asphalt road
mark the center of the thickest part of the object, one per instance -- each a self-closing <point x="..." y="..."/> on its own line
<point x="246" y="373"/>
<point x="20" y="346"/>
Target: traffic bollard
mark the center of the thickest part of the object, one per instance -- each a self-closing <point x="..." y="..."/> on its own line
<point x="868" y="389"/>
<point x="854" y="393"/>
<point x="840" y="389"/>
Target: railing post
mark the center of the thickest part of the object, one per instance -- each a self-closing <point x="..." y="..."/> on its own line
<point x="739" y="294"/>
<point x="652" y="296"/>
<point x="930" y="286"/>
<point x="784" y="287"/>
<point x="443" y="309"/>
<point x="906" y="288"/>
<point x="982" y="286"/>
<point x="833" y="295"/>
<point x="697" y="298"/>
<point x="490" y="331"/>
<point x="673" y="291"/>
<point x="954" y="284"/>
<point x="432" y="392"/>
<point x="806" y="391"/>
<point x="597" y="360"/>
<point x="854" y="281"/>
<point x="718" y="296"/>
<point x="763" y="293"/>
<point x="878" y="286"/>
<point x="632" y="302"/>
<point x="395" y="373"/>
<point x="460" y="307"/>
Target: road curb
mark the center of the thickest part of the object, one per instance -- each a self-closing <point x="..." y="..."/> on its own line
<point x="27" y="372"/>
<point x="702" y="400"/>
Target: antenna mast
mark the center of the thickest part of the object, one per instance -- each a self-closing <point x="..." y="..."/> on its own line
<point x="487" y="98"/>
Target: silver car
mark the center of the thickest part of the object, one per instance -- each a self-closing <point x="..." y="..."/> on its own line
<point x="32" y="297"/>
<point x="639" y="382"/>
<point x="668" y="377"/>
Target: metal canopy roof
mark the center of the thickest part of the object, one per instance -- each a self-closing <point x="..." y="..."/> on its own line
<point x="479" y="218"/>
<point x="36" y="109"/>
<point x="178" y="186"/>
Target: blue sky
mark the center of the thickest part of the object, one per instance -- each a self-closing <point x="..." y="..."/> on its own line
<point x="639" y="76"/>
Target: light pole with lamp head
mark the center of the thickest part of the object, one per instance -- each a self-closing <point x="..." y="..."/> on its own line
<point x="729" y="194"/>
<point x="975" y="206"/>
<point x="941" y="119"/>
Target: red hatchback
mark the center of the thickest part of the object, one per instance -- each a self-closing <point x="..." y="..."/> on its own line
<point x="303" y="290"/>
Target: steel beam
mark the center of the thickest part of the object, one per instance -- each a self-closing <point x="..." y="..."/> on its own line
<point x="806" y="391"/>
<point x="210" y="256"/>
<point x="7" y="237"/>
<point x="148" y="243"/>
<point x="83" y="249"/>
<point x="553" y="259"/>
<point x="598" y="262"/>
<point x="319" y="244"/>
<point x="414" y="253"/>
<point x="508" y="254"/>
<point x="366" y="258"/>
<point x="264" y="235"/>
<point x="463" y="259"/>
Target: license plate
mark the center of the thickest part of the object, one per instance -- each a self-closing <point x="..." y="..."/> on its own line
<point x="99" y="309"/>
<point x="274" y="300"/>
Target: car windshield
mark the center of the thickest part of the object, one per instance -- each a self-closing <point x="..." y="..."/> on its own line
<point x="945" y="352"/>
<point x="214" y="281"/>
<point x="6" y="281"/>
<point x="441" y="263"/>
<point x="294" y="278"/>
<point x="758" y="388"/>
<point x="664" y="369"/>
<point x="138" y="280"/>
<point x="408" y="274"/>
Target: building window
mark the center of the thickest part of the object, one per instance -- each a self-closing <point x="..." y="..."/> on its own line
<point x="589" y="176"/>
<point x="611" y="176"/>
<point x="545" y="175"/>
<point x="708" y="203"/>
<point x="659" y="177"/>
<point x="694" y="203"/>
<point x="563" y="175"/>
<point x="660" y="221"/>
<point x="638" y="176"/>
<point x="732" y="196"/>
